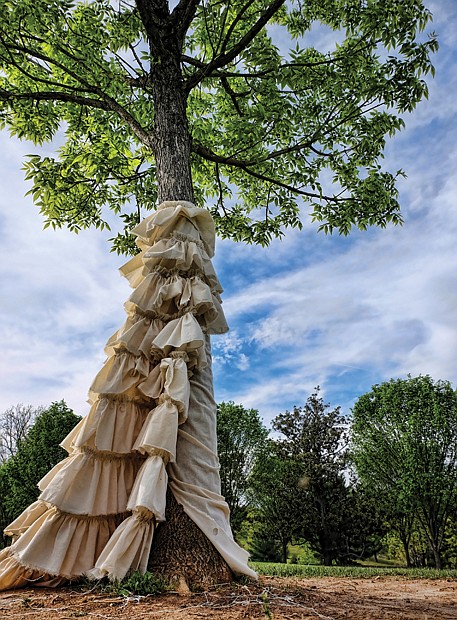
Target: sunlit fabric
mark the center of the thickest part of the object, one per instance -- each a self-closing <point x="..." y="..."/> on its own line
<point x="152" y="424"/>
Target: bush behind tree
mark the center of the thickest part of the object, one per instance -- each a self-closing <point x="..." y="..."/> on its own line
<point x="37" y="453"/>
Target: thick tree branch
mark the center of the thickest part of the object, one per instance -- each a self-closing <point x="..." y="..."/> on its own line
<point x="223" y="59"/>
<point x="229" y="161"/>
<point x="233" y="25"/>
<point x="155" y="15"/>
<point x="239" y="163"/>
<point x="104" y="101"/>
<point x="208" y="71"/>
<point x="183" y="14"/>
<point x="233" y="96"/>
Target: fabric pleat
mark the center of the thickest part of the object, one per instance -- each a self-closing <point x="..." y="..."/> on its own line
<point x="151" y="424"/>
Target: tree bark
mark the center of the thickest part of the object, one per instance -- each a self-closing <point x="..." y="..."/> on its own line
<point x="437" y="556"/>
<point x="182" y="553"/>
<point x="172" y="142"/>
<point x="405" y="543"/>
<point x="284" y="551"/>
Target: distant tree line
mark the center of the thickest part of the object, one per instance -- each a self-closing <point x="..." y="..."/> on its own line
<point x="339" y="488"/>
<point x="383" y="480"/>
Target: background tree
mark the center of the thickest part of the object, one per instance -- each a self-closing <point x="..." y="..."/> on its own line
<point x="316" y="437"/>
<point x="14" y="424"/>
<point x="275" y="494"/>
<point x="241" y="438"/>
<point x="365" y="526"/>
<point x="197" y="102"/>
<point x="404" y="438"/>
<point x="37" y="453"/>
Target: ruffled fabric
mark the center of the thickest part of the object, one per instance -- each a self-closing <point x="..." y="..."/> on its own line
<point x="152" y="415"/>
<point x="111" y="426"/>
<point x="129" y="546"/>
<point x="91" y="483"/>
<point x="55" y="544"/>
<point x="135" y="336"/>
<point x="16" y="575"/>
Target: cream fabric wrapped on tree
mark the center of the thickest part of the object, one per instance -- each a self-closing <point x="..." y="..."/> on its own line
<point x="152" y="423"/>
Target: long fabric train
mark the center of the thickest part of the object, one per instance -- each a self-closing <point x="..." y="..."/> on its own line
<point x="151" y="424"/>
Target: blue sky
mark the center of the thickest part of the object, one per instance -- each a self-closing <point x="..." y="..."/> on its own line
<point x="308" y="310"/>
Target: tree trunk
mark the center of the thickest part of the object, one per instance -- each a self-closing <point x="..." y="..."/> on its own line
<point x="172" y="140"/>
<point x="180" y="551"/>
<point x="405" y="543"/>
<point x="437" y="556"/>
<point x="284" y="551"/>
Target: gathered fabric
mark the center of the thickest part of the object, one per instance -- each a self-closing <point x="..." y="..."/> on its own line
<point x="151" y="425"/>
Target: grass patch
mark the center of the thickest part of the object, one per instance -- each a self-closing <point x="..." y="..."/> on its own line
<point x="299" y="570"/>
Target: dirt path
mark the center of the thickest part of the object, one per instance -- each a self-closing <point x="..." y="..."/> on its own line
<point x="380" y="598"/>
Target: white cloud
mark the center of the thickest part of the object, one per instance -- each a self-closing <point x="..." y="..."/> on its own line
<point x="61" y="296"/>
<point x="227" y="349"/>
<point x="384" y="305"/>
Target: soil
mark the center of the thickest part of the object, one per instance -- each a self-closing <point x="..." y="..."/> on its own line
<point x="272" y="598"/>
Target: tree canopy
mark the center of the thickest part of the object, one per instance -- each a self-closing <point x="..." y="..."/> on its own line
<point x="315" y="437"/>
<point x="14" y="425"/>
<point x="273" y="126"/>
<point x="241" y="437"/>
<point x="404" y="438"/>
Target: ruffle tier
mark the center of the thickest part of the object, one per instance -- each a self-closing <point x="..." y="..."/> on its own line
<point x="112" y="425"/>
<point x="128" y="549"/>
<point x="91" y="483"/>
<point x="56" y="544"/>
<point x="170" y="296"/>
<point x="178" y="216"/>
<point x="17" y="575"/>
<point x="179" y="252"/>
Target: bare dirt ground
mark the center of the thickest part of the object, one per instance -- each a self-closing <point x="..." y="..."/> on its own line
<point x="272" y="598"/>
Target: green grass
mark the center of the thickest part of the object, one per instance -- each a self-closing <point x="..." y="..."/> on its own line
<point x="299" y="570"/>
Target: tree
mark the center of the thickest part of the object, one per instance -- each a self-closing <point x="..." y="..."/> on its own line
<point x="196" y="102"/>
<point x="241" y="437"/>
<point x="275" y="493"/>
<point x="38" y="451"/>
<point x="365" y="525"/>
<point x="404" y="438"/>
<point x="14" y="424"/>
<point x="316" y="437"/>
